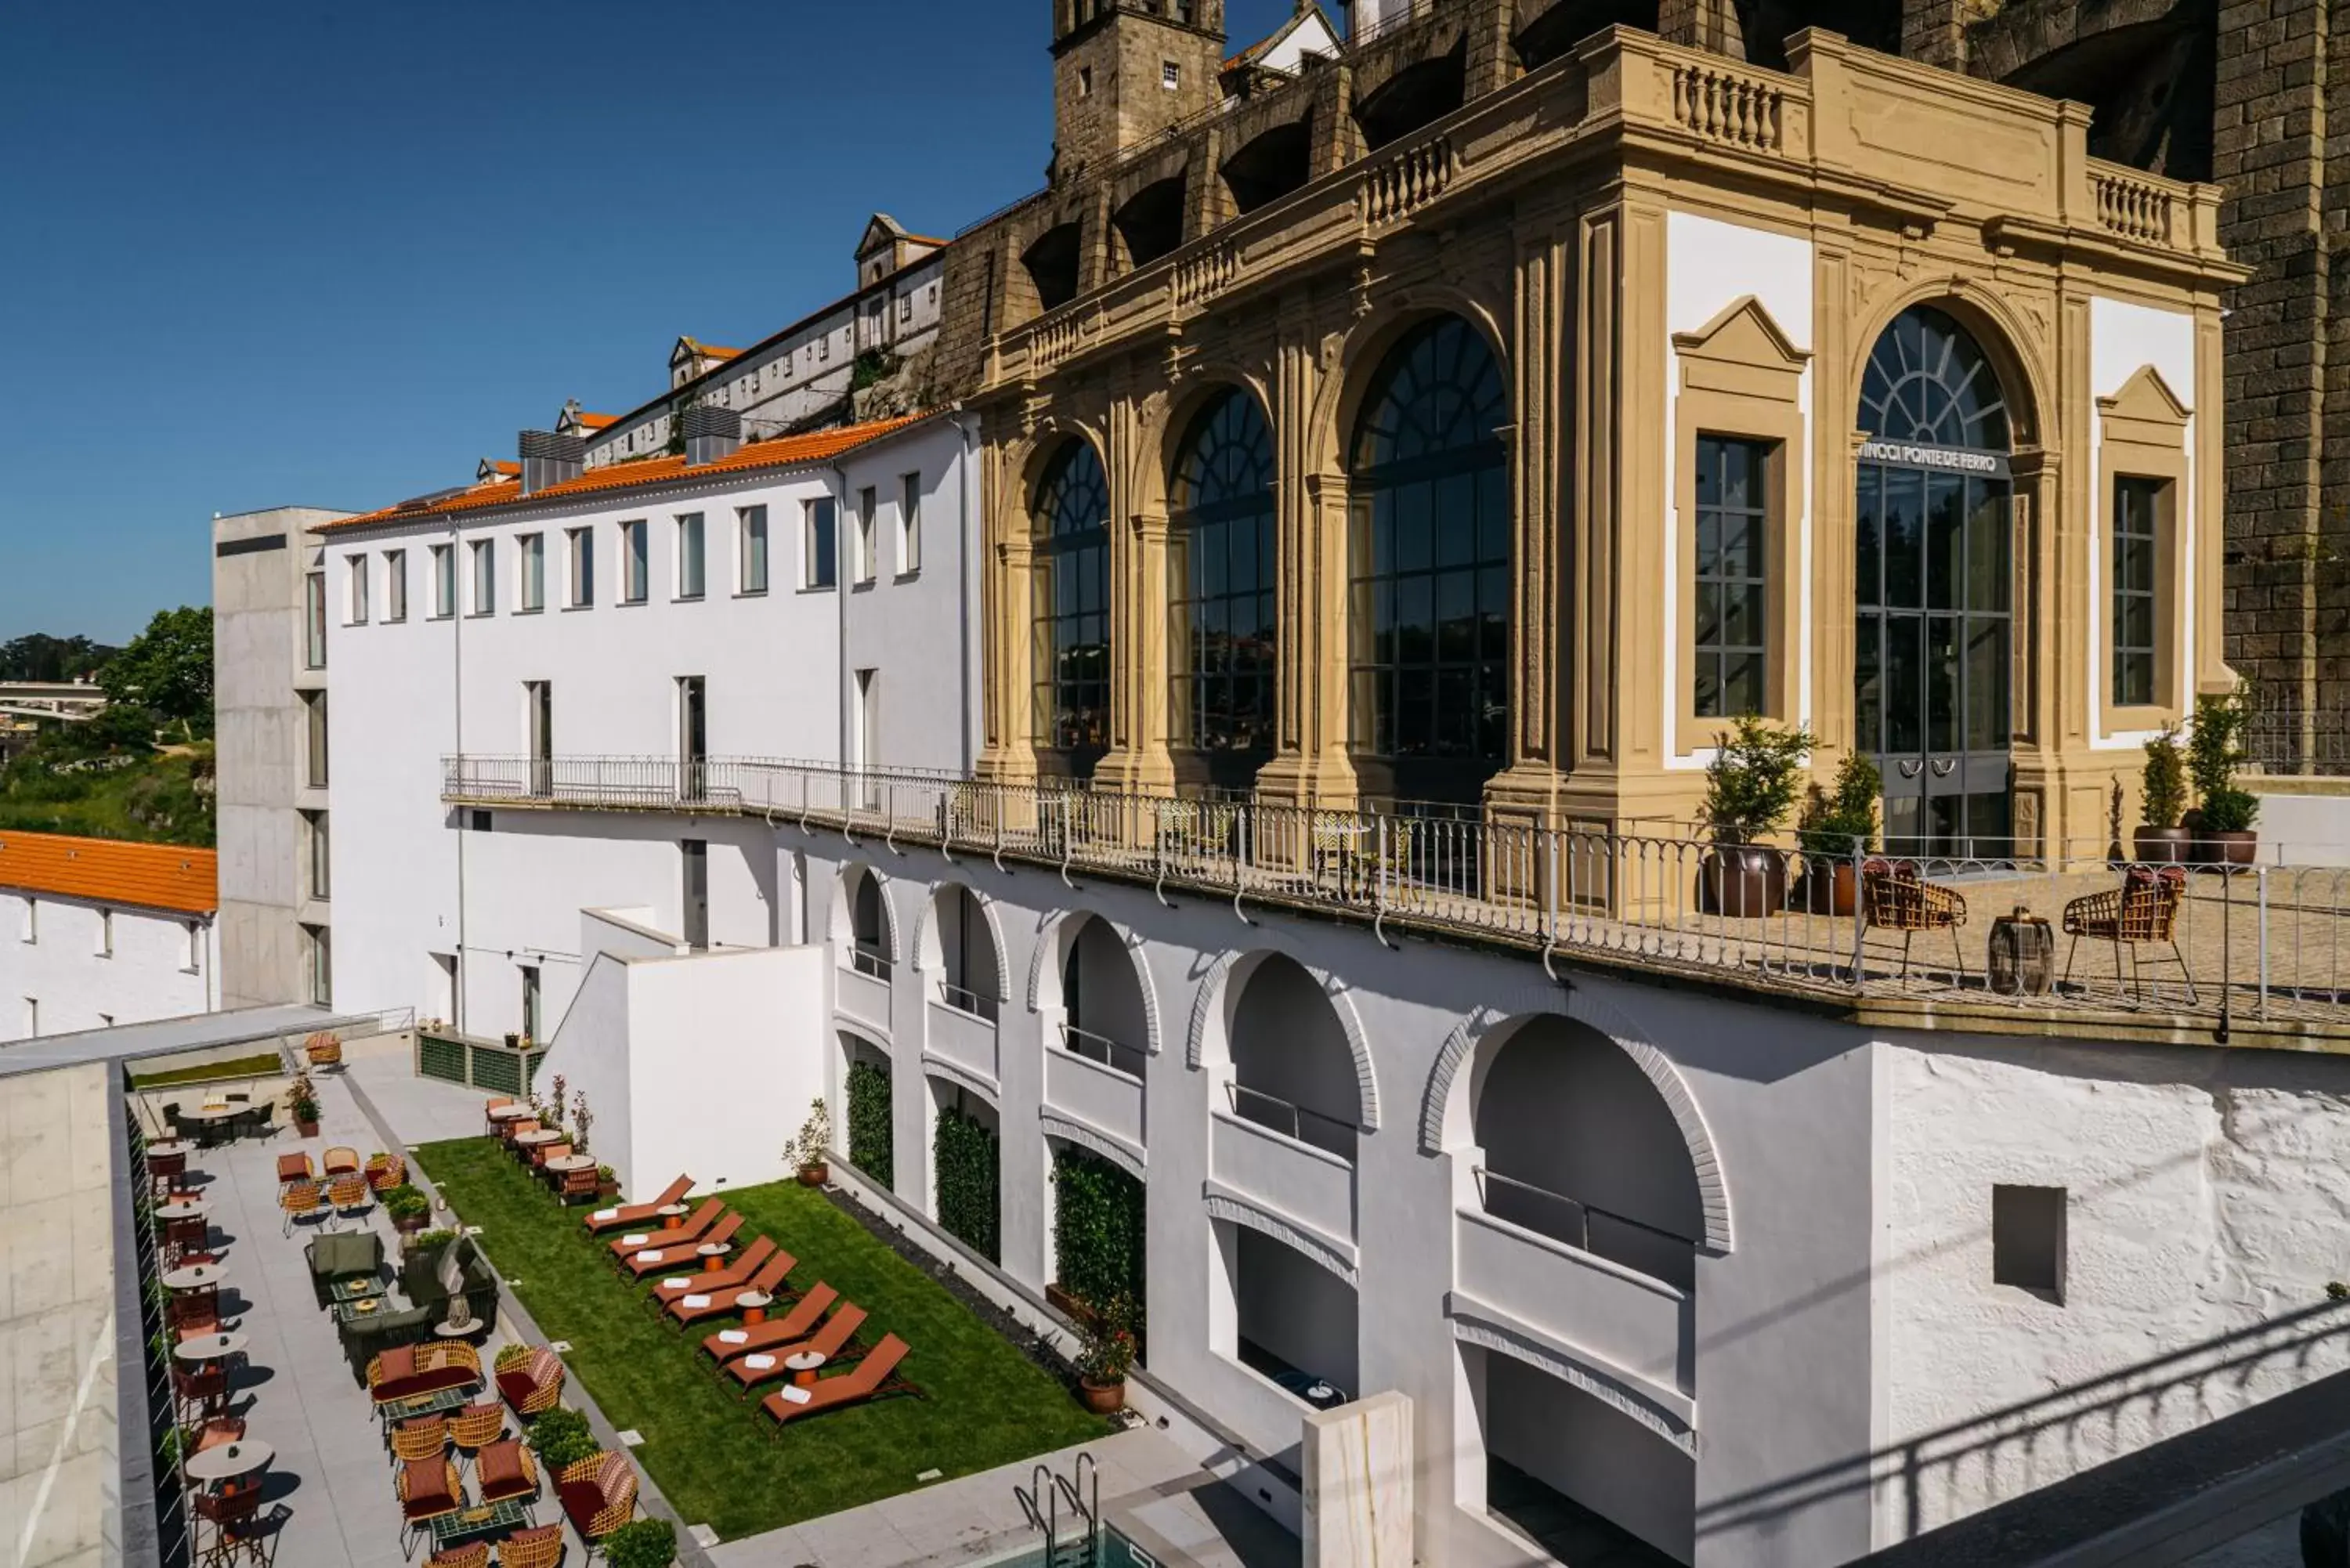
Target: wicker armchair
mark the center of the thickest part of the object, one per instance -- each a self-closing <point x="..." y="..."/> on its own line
<point x="599" y="1495"/>
<point x="505" y="1469"/>
<point x="350" y="1195"/>
<point x="300" y="1200"/>
<point x="425" y="1437"/>
<point x="408" y="1370"/>
<point x="340" y="1160"/>
<point x="476" y="1555"/>
<point x="476" y="1427"/>
<point x="386" y="1170"/>
<point x="2144" y="908"/>
<point x="534" y="1382"/>
<point x="1894" y="897"/>
<point x="427" y="1489"/>
<point x="539" y="1548"/>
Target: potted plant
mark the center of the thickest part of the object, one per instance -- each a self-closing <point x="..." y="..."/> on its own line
<point x="2161" y="798"/>
<point x="811" y="1152"/>
<point x="646" y="1543"/>
<point x="1104" y="1355"/>
<point x="410" y="1209"/>
<point x="561" y="1439"/>
<point x="302" y="1104"/>
<point x="607" y="1182"/>
<point x="430" y="1241"/>
<point x="1838" y="826"/>
<point x="2222" y="831"/>
<point x="1750" y="787"/>
<point x="582" y="1118"/>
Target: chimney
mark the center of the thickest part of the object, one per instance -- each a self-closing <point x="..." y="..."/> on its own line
<point x="550" y="458"/>
<point x="711" y="434"/>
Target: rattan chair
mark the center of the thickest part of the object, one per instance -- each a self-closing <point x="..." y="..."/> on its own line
<point x="425" y="1437"/>
<point x="350" y="1195"/>
<point x="534" y="1382"/>
<point x="2144" y="908"/>
<point x="474" y="1555"/>
<point x="341" y="1159"/>
<point x="300" y="1200"/>
<point x="539" y="1548"/>
<point x="476" y="1427"/>
<point x="599" y="1495"/>
<point x="1894" y="897"/>
<point x="427" y="1491"/>
<point x="386" y="1170"/>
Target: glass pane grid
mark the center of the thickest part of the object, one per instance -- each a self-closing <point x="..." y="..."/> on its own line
<point x="1731" y="578"/>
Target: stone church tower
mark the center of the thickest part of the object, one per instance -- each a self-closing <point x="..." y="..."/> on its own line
<point x="1125" y="70"/>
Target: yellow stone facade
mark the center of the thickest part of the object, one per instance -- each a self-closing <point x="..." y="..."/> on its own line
<point x="1653" y="241"/>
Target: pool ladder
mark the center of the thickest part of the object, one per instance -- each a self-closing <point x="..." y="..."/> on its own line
<point x="1044" y="1498"/>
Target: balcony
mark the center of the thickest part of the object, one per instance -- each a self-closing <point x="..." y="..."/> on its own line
<point x="1286" y="1174"/>
<point x="963" y="1037"/>
<point x="1639" y="1323"/>
<point x="861" y="989"/>
<point x="2267" y="947"/>
<point x="1099" y="1082"/>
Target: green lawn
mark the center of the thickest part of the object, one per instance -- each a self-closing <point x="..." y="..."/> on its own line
<point x="269" y="1065"/>
<point x="985" y="1403"/>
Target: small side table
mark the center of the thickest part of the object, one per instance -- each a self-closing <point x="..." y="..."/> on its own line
<point x="712" y="1255"/>
<point x="755" y="1305"/>
<point x="803" y="1366"/>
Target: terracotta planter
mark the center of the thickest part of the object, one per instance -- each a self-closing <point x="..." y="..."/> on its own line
<point x="409" y="1224"/>
<point x="607" y="1189"/>
<point x="305" y="1129"/>
<point x="1743" y="882"/>
<point x="2162" y="846"/>
<point x="2227" y="850"/>
<point x="1101" y="1398"/>
<point x="1828" y="888"/>
<point x="815" y="1175"/>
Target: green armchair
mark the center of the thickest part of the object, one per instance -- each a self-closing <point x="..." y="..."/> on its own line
<point x="341" y="1255"/>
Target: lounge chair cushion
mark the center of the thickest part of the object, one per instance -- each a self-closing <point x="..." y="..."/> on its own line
<point x="795" y="1395"/>
<point x="695" y="1304"/>
<point x="758" y="1362"/>
<point x="497" y="1469"/>
<point x="733" y="1336"/>
<point x="653" y="1256"/>
<point x="605" y="1214"/>
<point x="398" y="1362"/>
<point x="638" y="1240"/>
<point x="677" y="1284"/>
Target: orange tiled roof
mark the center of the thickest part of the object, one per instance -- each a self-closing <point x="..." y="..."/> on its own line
<point x="789" y="451"/>
<point x="109" y="871"/>
<point x="512" y="468"/>
<point x="599" y="421"/>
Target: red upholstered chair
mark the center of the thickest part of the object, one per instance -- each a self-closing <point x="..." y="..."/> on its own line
<point x="599" y="1495"/>
<point x="533" y="1383"/>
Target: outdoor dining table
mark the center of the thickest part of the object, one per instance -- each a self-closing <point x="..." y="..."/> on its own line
<point x="509" y="1113"/>
<point x="194" y="1277"/>
<point x="356" y="1309"/>
<point x="170" y="1146"/>
<point x="354" y="1288"/>
<point x="210" y="1347"/>
<point x="563" y="1162"/>
<point x="533" y="1139"/>
<point x="185" y="1209"/>
<point x="440" y="1402"/>
<point x="482" y="1522"/>
<point x="229" y="1462"/>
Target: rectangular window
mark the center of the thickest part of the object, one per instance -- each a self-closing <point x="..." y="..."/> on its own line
<point x="1170" y="74"/>
<point x="689" y="556"/>
<point x="751" y="549"/>
<point x="32" y="919"/>
<point x="636" y="565"/>
<point x="195" y="934"/>
<point x="2027" y="1239"/>
<point x="1732" y="533"/>
<point x="818" y="569"/>
<point x="909" y="523"/>
<point x="104" y="948"/>
<point x="358" y="566"/>
<point x="533" y="571"/>
<point x="32" y="1018"/>
<point x="321" y="875"/>
<point x="315" y="720"/>
<point x="485" y="577"/>
<point x="395" y="585"/>
<point x="583" y="568"/>
<point x="314" y="619"/>
<point x="444" y="581"/>
<point x="321" y="963"/>
<point x="867" y="504"/>
<point x="2138" y="506"/>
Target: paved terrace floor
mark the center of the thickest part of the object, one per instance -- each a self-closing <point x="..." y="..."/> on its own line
<point x="1150" y="1488"/>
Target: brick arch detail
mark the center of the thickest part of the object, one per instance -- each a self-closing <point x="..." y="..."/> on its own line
<point x="1210" y="995"/>
<point x="994" y="929"/>
<point x="1048" y="935"/>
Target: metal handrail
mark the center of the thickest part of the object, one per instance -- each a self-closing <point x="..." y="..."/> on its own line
<point x="1331" y="1134"/>
<point x="865" y="961"/>
<point x="1102" y="1050"/>
<point x="964" y="1000"/>
<point x="1583" y="1212"/>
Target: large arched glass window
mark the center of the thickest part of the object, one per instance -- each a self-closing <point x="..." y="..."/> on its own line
<point x="1070" y="650"/>
<point x="1220" y="587"/>
<point x="1928" y="382"/>
<point x="1428" y="616"/>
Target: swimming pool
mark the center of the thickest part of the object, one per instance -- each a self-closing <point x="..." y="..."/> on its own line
<point x="1114" y="1551"/>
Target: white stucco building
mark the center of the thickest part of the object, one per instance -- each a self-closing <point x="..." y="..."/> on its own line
<point x="95" y="932"/>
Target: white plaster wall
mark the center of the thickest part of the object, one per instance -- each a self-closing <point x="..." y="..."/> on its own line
<point x="411" y="880"/>
<point x="1711" y="266"/>
<point x="153" y="972"/>
<point x="590" y="1052"/>
<point x="2205" y="1191"/>
<point x="2123" y="337"/>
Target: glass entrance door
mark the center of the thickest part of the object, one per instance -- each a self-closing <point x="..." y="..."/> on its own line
<point x="1933" y="657"/>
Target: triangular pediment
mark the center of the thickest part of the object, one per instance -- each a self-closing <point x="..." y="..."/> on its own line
<point x="2146" y="396"/>
<point x="881" y="231"/>
<point x="1745" y="334"/>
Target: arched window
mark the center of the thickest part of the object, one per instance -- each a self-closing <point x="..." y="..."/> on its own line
<point x="1428" y="616"/>
<point x="1930" y="382"/>
<point x="1219" y="574"/>
<point x="1071" y="624"/>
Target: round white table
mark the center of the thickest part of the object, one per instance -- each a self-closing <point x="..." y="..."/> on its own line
<point x="189" y="1209"/>
<point x="170" y="1146"/>
<point x="194" y="1277"/>
<point x="211" y="1112"/>
<point x="563" y="1162"/>
<point x="803" y="1366"/>
<point x="755" y="1305"/>
<point x="533" y="1139"/>
<point x="210" y="1347"/>
<point x="229" y="1462"/>
<point x="712" y="1253"/>
<point x="509" y="1113"/>
<point x="671" y="1210"/>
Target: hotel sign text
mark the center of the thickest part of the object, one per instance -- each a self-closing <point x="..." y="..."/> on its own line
<point x="1956" y="459"/>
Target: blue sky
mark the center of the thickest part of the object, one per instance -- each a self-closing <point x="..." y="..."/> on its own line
<point x="272" y="253"/>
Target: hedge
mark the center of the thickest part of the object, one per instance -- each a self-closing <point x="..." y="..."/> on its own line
<point x="966" y="1155"/>
<point x="869" y="1121"/>
<point x="1098" y="1228"/>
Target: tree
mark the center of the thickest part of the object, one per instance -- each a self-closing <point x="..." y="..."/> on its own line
<point x="168" y="670"/>
<point x="38" y="656"/>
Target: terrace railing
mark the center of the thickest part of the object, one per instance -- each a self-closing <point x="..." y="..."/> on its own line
<point x="1654" y="1250"/>
<point x="1104" y="1050"/>
<point x="1329" y="1134"/>
<point x="2262" y="942"/>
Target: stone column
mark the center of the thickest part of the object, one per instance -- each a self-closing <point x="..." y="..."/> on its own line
<point x="2270" y="152"/>
<point x="1310" y="764"/>
<point x="1010" y="753"/>
<point x="1138" y="759"/>
<point x="1541" y="614"/>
